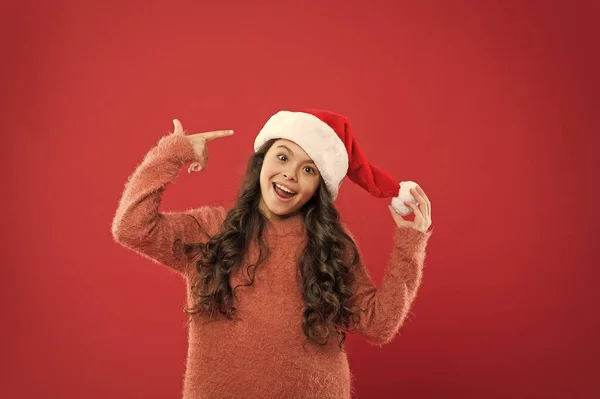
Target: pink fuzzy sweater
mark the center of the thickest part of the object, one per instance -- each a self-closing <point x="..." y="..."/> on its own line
<point x="259" y="355"/>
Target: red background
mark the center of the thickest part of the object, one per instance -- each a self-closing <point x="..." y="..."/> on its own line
<point x="491" y="106"/>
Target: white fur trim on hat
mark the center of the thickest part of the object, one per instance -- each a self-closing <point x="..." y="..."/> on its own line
<point x="316" y="138"/>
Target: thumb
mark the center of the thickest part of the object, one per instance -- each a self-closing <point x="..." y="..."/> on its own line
<point x="395" y="215"/>
<point x="178" y="129"/>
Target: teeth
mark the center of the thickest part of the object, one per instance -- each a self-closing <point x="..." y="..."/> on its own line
<point x="285" y="189"/>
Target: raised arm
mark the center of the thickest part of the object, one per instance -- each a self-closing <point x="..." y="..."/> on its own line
<point x="140" y="226"/>
<point x="385" y="308"/>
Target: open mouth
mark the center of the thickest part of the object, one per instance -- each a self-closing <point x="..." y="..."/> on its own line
<point x="283" y="192"/>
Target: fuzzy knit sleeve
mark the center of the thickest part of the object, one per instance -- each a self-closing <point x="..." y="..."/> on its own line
<point x="383" y="309"/>
<point x="138" y="224"/>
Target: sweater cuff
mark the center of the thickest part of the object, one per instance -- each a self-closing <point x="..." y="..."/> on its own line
<point x="410" y="239"/>
<point x="177" y="147"/>
<point x="409" y="254"/>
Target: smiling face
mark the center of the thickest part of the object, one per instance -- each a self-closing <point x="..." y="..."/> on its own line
<point x="288" y="179"/>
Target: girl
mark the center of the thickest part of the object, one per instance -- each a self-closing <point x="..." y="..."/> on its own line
<point x="274" y="284"/>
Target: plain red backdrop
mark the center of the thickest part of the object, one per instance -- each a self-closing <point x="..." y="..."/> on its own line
<point x="491" y="106"/>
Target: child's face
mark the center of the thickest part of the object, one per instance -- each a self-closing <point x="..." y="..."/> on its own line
<point x="286" y="164"/>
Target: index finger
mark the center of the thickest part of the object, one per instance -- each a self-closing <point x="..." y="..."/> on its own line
<point x="427" y="202"/>
<point x="208" y="136"/>
<point x="422" y="193"/>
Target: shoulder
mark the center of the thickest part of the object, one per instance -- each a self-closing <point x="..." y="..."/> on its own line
<point x="351" y="248"/>
<point x="347" y="230"/>
<point x="209" y="217"/>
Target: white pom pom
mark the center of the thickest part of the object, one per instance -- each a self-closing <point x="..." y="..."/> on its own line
<point x="404" y="195"/>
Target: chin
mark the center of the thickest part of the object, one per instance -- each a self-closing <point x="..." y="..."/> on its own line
<point x="278" y="209"/>
<point x="282" y="211"/>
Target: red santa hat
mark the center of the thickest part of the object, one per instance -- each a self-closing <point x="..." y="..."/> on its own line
<point x="328" y="139"/>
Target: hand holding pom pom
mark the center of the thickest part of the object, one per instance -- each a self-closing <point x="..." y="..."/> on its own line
<point x="411" y="198"/>
<point x="404" y="195"/>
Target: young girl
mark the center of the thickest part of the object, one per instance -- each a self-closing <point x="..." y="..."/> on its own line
<point x="275" y="283"/>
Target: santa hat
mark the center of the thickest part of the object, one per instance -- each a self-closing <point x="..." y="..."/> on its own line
<point x="328" y="139"/>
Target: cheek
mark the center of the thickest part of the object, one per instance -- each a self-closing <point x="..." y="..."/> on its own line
<point x="310" y="187"/>
<point x="266" y="176"/>
<point x="264" y="181"/>
<point x="266" y="171"/>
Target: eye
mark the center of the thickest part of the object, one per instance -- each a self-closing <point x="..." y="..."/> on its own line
<point x="280" y="156"/>
<point x="310" y="170"/>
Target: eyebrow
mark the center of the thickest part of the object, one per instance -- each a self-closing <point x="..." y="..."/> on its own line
<point x="283" y="146"/>
<point x="292" y="152"/>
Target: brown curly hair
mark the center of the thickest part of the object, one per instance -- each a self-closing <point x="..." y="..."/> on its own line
<point x="325" y="268"/>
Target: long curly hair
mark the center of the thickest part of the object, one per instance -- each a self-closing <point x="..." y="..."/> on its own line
<point x="324" y="263"/>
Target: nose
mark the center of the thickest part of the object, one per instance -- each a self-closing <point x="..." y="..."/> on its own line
<point x="289" y="176"/>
